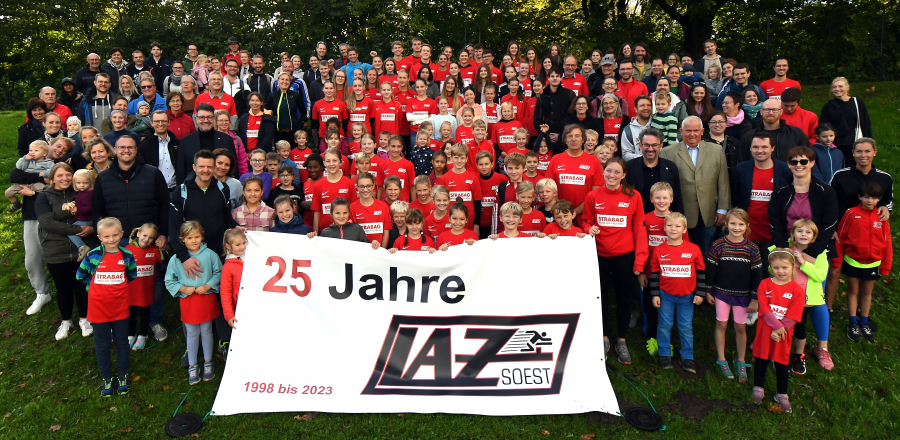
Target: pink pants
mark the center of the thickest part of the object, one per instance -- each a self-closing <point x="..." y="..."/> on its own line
<point x="722" y="309"/>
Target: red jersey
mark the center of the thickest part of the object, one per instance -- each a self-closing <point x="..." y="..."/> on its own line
<point x="324" y="192"/>
<point x="467" y="74"/>
<point x="108" y="293"/>
<point x="387" y="117"/>
<point x="345" y="168"/>
<point x="403" y="97"/>
<point x="440" y="76"/>
<point x="528" y="115"/>
<point x="677" y="267"/>
<point x="464" y="135"/>
<point x="782" y="301"/>
<point x="554" y="228"/>
<point x="492" y="116"/>
<point x="537" y="178"/>
<point x="308" y="187"/>
<point x="324" y="110"/>
<point x="576" y="83"/>
<point x="392" y="79"/>
<point x="437" y="226"/>
<point x="656" y="234"/>
<point x="405" y="63"/>
<point x="620" y="219"/>
<point x="758" y="209"/>
<point x="253" y="123"/>
<point x="374" y="219"/>
<point x="417" y="66"/>
<point x="299" y="157"/>
<point x="373" y="93"/>
<point x="774" y="89"/>
<point x="364" y="111"/>
<point x="489" y="188"/>
<point x="404" y="243"/>
<point x="518" y="105"/>
<point x="435" y="144"/>
<point x="630" y="91"/>
<point x="353" y="146"/>
<point x="425" y="107"/>
<point x="141" y="292"/>
<point x="403" y="169"/>
<point x="224" y="102"/>
<point x="611" y="127"/>
<point x="426" y="208"/>
<point x="465" y="185"/>
<point x="865" y="238"/>
<point x="532" y="223"/>
<point x="477" y="147"/>
<point x="502" y="234"/>
<point x="496" y="74"/>
<point x="451" y="239"/>
<point x="525" y="86"/>
<point x="575" y="176"/>
<point x="374" y="167"/>
<point x="504" y="134"/>
<point x="544" y="163"/>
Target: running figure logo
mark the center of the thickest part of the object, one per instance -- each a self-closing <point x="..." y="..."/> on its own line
<point x="527" y="341"/>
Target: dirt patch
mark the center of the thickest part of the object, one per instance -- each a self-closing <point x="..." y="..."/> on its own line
<point x="693" y="407"/>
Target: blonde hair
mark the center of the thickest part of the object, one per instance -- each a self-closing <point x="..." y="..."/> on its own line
<point x="664" y="96"/>
<point x="229" y="236"/>
<point x="459" y="150"/>
<point x="136" y="231"/>
<point x="420" y="179"/>
<point x="508" y="105"/>
<point x="40" y="144"/>
<point x="679" y="217"/>
<point x="109" y="222"/>
<point x="592" y="133"/>
<point x="840" y="78"/>
<point x="739" y="214"/>
<point x="783" y="255"/>
<point x="511" y="208"/>
<point x="479" y="123"/>
<point x="399" y="206"/>
<point x="188" y="228"/>
<point x="524" y="187"/>
<point x="805" y="223"/>
<point x="515" y="158"/>
<point x="439" y="189"/>
<point x="334" y="152"/>
<point x="548" y="183"/>
<point x="84" y="173"/>
<point x="662" y="186"/>
<point x="282" y="144"/>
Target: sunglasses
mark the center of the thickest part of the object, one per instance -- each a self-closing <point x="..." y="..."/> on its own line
<point x="795" y="162"/>
<point x="147" y="87"/>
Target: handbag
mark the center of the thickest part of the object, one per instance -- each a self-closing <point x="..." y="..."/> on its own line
<point x="859" y="132"/>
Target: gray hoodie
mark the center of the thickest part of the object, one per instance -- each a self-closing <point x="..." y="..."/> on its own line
<point x="630" y="148"/>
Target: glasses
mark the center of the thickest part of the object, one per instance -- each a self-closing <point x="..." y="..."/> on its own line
<point x="147" y="87"/>
<point x="257" y="160"/>
<point x="771" y="110"/>
<point x="366" y="186"/>
<point x="650" y="145"/>
<point x="795" y="162"/>
<point x="126" y="148"/>
<point x="205" y="118"/>
<point x="717" y="122"/>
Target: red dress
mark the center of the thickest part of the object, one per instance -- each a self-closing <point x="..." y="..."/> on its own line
<point x="783" y="301"/>
<point x="141" y="292"/>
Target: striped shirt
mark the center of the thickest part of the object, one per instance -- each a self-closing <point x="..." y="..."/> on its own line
<point x="733" y="269"/>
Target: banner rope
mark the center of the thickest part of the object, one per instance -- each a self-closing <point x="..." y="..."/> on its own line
<point x="663" y="428"/>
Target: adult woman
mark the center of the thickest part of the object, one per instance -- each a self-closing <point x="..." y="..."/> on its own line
<point x="419" y="108"/>
<point x="257" y="127"/>
<point x="587" y="70"/>
<point x="849" y="117"/>
<point x="609" y="86"/>
<point x="622" y="248"/>
<point x="60" y="254"/>
<point x="370" y="85"/>
<point x="341" y="86"/>
<point x="98" y="154"/>
<point x="663" y="86"/>
<point x="673" y="60"/>
<point x="224" y="170"/>
<point x="454" y="73"/>
<point x="360" y="105"/>
<point x="452" y="94"/>
<point x="677" y="87"/>
<point x="223" y="125"/>
<point x="579" y="113"/>
<point x="728" y="71"/>
<point x="326" y="108"/>
<point x="515" y="97"/>
<point x="546" y="64"/>
<point x="469" y="97"/>
<point x="698" y="103"/>
<point x="173" y="82"/>
<point x="188" y="94"/>
<point x="482" y="79"/>
<point x="390" y="73"/>
<point x="509" y="74"/>
<point x="358" y="73"/>
<point x="714" y="81"/>
<point x="53" y="129"/>
<point x="179" y="122"/>
<point x="127" y="88"/>
<point x="433" y="89"/>
<point x="285" y="104"/>
<point x="443" y="69"/>
<point x="33" y="128"/>
<point x="88" y="135"/>
<point x="718" y="123"/>
<point x="537" y="87"/>
<point x="752" y="104"/>
<point x="737" y="122"/>
<point x="68" y="96"/>
<point x="625" y="52"/>
<point x="532" y="60"/>
<point x="513" y="51"/>
<point x="297" y="62"/>
<point x="378" y="65"/>
<point x="555" y="54"/>
<point x="614" y="121"/>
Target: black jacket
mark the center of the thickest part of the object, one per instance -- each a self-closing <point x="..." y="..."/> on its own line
<point x="56" y="224"/>
<point x="148" y="149"/>
<point x="261" y="83"/>
<point x="161" y="70"/>
<point x="846" y="183"/>
<point x="552" y="108"/>
<point x="114" y="74"/>
<point x="668" y="172"/>
<point x="589" y="123"/>
<point x="842" y="116"/>
<point x="24" y="178"/>
<point x="265" y="138"/>
<point x="190" y="145"/>
<point x="742" y="181"/>
<point x="295" y="105"/>
<point x="212" y="208"/>
<point x="84" y="78"/>
<point x="135" y="197"/>
<point x="786" y="138"/>
<point x="316" y="92"/>
<point x="29" y="132"/>
<point x="824" y="207"/>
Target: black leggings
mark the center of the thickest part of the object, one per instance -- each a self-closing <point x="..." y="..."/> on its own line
<point x="617" y="273"/>
<point x="68" y="290"/>
<point x="781" y="375"/>
<point x="135" y="313"/>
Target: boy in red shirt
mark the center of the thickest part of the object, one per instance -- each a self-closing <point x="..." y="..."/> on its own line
<point x="661" y="194"/>
<point x="480" y="143"/>
<point x="396" y="165"/>
<point x="490" y="182"/>
<point x="563" y="221"/>
<point x="464" y="184"/>
<point x="300" y="153"/>
<point x="531" y="164"/>
<point x="510" y="216"/>
<point x="533" y="221"/>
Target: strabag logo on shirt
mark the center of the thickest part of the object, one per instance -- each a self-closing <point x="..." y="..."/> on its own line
<point x="507" y="139"/>
<point x="465" y="195"/>
<point x="146" y="271"/>
<point x="612" y="221"/>
<point x="372" y="228"/>
<point x="778" y="311"/>
<point x="473" y="355"/>
<point x="572" y="179"/>
<point x="656" y="240"/>
<point x="109" y="278"/>
<point x="758" y="195"/>
<point x="675" y="270"/>
<point x="356" y="117"/>
<point x="388" y="117"/>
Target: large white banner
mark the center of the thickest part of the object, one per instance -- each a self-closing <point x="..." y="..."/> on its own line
<point x="506" y="327"/>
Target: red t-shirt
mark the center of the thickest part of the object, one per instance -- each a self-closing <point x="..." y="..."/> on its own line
<point x="403" y="169"/>
<point x="783" y="301"/>
<point x="299" y="157"/>
<point x="611" y="127"/>
<point x="324" y="110"/>
<point x="404" y="243"/>
<point x="374" y="93"/>
<point x="435" y="144"/>
<point x="575" y="176"/>
<point x="108" y="295"/>
<point x="464" y="136"/>
<point x="528" y="115"/>
<point x="477" y="147"/>
<point x="489" y="197"/>
<point x="467" y="74"/>
<point x="387" y="117"/>
<point x="308" y="187"/>
<point x="656" y="234"/>
<point x="543" y="163"/>
<point x="374" y="167"/>
<point x="465" y="185"/>
<point x="758" y="209"/>
<point x="425" y="107"/>
<point x="537" y="178"/>
<point x="554" y="228"/>
<point x="492" y="116"/>
<point x="677" y="267"/>
<point x="403" y="97"/>
<point x="504" y="134"/>
<point x="426" y="208"/>
<point x="518" y="105"/>
<point x="324" y="192"/>
<point x="620" y="220"/>
<point x="502" y="234"/>
<point x="365" y="110"/>
<point x="385" y="79"/>
<point x="576" y="84"/>
<point x="253" y="123"/>
<point x="224" y="102"/>
<point x="141" y="292"/>
<point x="774" y="89"/>
<point x="374" y="219"/>
<point x="532" y="223"/>
<point x="449" y="238"/>
<point x="437" y="226"/>
<point x="438" y="75"/>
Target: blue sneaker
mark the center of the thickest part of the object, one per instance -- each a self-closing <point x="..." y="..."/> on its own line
<point x="107" y="389"/>
<point x="193" y="375"/>
<point x="124" y="385"/>
<point x="208" y="372"/>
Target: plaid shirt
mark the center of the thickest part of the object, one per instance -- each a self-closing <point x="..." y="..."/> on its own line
<point x="260" y="220"/>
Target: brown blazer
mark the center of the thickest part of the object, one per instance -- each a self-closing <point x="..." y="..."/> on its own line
<point x="704" y="187"/>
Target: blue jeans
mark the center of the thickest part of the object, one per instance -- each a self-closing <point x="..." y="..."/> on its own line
<point x="702" y="237"/>
<point x="683" y="309"/>
<point x="159" y="296"/>
<point x="76" y="240"/>
<point x="104" y="342"/>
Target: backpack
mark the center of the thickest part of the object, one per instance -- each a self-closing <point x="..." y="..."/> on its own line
<point x="184" y="194"/>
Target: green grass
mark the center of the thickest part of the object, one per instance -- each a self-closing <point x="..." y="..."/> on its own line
<point x="44" y="383"/>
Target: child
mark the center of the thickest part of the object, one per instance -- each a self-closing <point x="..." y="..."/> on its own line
<point x="363" y="164"/>
<point x="107" y="270"/>
<point x="326" y="190"/>
<point x="258" y="169"/>
<point x="392" y="190"/>
<point x="511" y="217"/>
<point x="532" y="220"/>
<point x="611" y="143"/>
<point x="333" y="124"/>
<point x="603" y="153"/>
<point x="414" y="239"/>
<point x="73" y="124"/>
<point x="438" y="222"/>
<point x="314" y="166"/>
<point x="478" y="144"/>
<point x="235" y="243"/>
<point x="592" y="139"/>
<point x="34" y="162"/>
<point x="428" y="128"/>
<point x="199" y="302"/>
<point x="810" y="274"/>
<point x="286" y="221"/>
<point x="339" y="225"/>
<point x="333" y="141"/>
<point x="464" y="183"/>
<point x="273" y="161"/>
<point x="734" y="270"/>
<point x="200" y="72"/>
<point x="456" y="232"/>
<point x="564" y="219"/>
<point x="357" y="130"/>
<point x="81" y="207"/>
<point x="781" y="302"/>
<point x="503" y="134"/>
<point x="446" y="133"/>
<point x="142" y="293"/>
<point x="438" y="166"/>
<point x="465" y="131"/>
<point x="143" y="127"/>
<point x="383" y="139"/>
<point x="548" y="193"/>
<point x="253" y="215"/>
<point x="664" y="120"/>
<point x="283" y="148"/>
<point x="423" y="201"/>
<point x="688" y="76"/>
<point x="490" y="183"/>
<point x="544" y="155"/>
<point x="398" y="167"/>
<point x="677" y="282"/>
<point x="300" y="153"/>
<point x="398" y="218"/>
<point x="864" y="244"/>
<point x="829" y="157"/>
<point x="367" y="149"/>
<point x="287" y="187"/>
<point x="422" y="154"/>
<point x="491" y="115"/>
<point x="531" y="165"/>
<point x="373" y="215"/>
<point x="515" y="170"/>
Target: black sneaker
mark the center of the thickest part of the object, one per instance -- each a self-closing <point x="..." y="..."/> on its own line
<point x="866" y="331"/>
<point x="665" y="362"/>
<point x="798" y="363"/>
<point x="853" y="332"/>
<point x="872" y="325"/>
<point x="223" y="349"/>
<point x="688" y="365"/>
<point x="185" y="363"/>
<point x="14" y="208"/>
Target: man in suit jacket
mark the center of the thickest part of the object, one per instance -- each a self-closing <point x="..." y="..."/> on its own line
<point x="646" y="170"/>
<point x="705" y="189"/>
<point x="161" y="150"/>
<point x="205" y="138"/>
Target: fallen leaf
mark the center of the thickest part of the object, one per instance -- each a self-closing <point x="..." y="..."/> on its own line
<point x="123" y="431"/>
<point x="55" y="428"/>
<point x="7" y="334"/>
<point x="150" y="406"/>
<point x="7" y="415"/>
<point x="401" y="415"/>
<point x="195" y="435"/>
<point x="587" y="436"/>
<point x="775" y="408"/>
<point x="135" y="379"/>
<point x="83" y="398"/>
<point x="305" y="417"/>
<point x="545" y="432"/>
<point x="22" y="385"/>
<point x="165" y="359"/>
<point x="165" y="387"/>
<point x="888" y="280"/>
<point x="4" y="312"/>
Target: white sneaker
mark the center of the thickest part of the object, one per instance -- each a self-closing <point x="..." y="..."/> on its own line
<point x="64" y="329"/>
<point x="131" y="341"/>
<point x="139" y="343"/>
<point x="39" y="302"/>
<point x="86" y="328"/>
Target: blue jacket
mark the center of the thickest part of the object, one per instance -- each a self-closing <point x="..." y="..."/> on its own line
<point x="742" y="181"/>
<point x="295" y="226"/>
<point x="350" y="67"/>
<point x="158" y="104"/>
<point x="828" y="160"/>
<point x="734" y="86"/>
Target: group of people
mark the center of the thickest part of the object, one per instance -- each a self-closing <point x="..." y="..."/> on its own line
<point x="692" y="181"/>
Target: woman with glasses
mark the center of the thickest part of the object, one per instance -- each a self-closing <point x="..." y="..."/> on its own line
<point x="288" y="108"/>
<point x="718" y="122"/>
<point x="173" y="82"/>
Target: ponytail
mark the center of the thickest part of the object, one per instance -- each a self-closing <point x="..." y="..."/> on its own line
<point x="460" y="206"/>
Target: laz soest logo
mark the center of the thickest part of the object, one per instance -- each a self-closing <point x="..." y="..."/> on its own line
<point x="473" y="355"/>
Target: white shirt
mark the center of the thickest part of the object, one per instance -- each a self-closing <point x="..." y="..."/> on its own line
<point x="165" y="162"/>
<point x="232" y="87"/>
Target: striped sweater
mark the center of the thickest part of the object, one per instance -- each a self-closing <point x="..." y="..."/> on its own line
<point x="668" y="124"/>
<point x="90" y="262"/>
<point x="733" y="269"/>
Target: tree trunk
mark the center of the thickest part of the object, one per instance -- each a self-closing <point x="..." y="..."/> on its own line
<point x="696" y="30"/>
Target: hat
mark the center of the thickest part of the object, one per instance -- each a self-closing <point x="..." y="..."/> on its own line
<point x="607" y="60"/>
<point x="143" y="104"/>
<point x="67" y="80"/>
<point x="687" y="67"/>
<point x="232" y="40"/>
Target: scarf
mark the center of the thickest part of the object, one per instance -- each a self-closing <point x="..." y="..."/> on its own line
<point x="175" y="80"/>
<point x="752" y="110"/>
<point x="732" y="121"/>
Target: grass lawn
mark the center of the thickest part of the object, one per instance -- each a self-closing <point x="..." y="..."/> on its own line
<point x="50" y="389"/>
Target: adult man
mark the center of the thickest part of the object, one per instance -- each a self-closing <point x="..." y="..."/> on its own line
<point x="137" y="66"/>
<point x="552" y="106"/>
<point x="115" y="67"/>
<point x="84" y="77"/>
<point x="641" y="52"/>
<point x="160" y="150"/>
<point x="97" y="103"/>
<point x="425" y="60"/>
<point x="246" y="66"/>
<point x="629" y="87"/>
<point x="573" y="80"/>
<point x="232" y="83"/>
<point x="310" y="76"/>
<point x="119" y="121"/>
<point x="648" y="168"/>
<point x="234" y="50"/>
<point x="752" y="184"/>
<point x="773" y="88"/>
<point x="260" y="81"/>
<point x="205" y="138"/>
<point x="342" y="61"/>
<point x="524" y="78"/>
<point x="190" y="58"/>
<point x="478" y="55"/>
<point x="353" y="62"/>
<point x="704" y="181"/>
<point x="796" y="116"/>
<point x="148" y="93"/>
<point x="607" y="70"/>
<point x="643" y="109"/>
<point x="785" y="136"/>
<point x="316" y="91"/>
<point x="741" y="80"/>
<point x="48" y="95"/>
<point x="711" y="57"/>
<point x="159" y="65"/>
<point x="656" y="72"/>
<point x="218" y="99"/>
<point x="322" y="53"/>
<point x="416" y="43"/>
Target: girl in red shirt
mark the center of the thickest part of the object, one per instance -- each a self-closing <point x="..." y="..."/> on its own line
<point x="334" y="185"/>
<point x="504" y="132"/>
<point x="373" y="215"/>
<point x="360" y="105"/>
<point x="327" y="108"/>
<point x="314" y="167"/>
<point x="457" y="232"/>
<point x="414" y="239"/>
<point x="370" y="86"/>
<point x="235" y="243"/>
<point x="141" y="294"/>
<point x="450" y="91"/>
<point x="438" y="221"/>
<point x="423" y="201"/>
<point x="387" y="111"/>
<point x="515" y="98"/>
<point x="532" y="222"/>
<point x="341" y="85"/>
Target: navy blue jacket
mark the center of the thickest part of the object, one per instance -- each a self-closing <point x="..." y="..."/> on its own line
<point x="295" y="226"/>
<point x="742" y="180"/>
<point x="135" y="197"/>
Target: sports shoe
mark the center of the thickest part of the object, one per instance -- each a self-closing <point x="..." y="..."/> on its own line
<point x="623" y="353"/>
<point x="798" y="363"/>
<point x="223" y="349"/>
<point x="39" y="303"/>
<point x="82" y="252"/>
<point x="159" y="332"/>
<point x="14" y="208"/>
<point x="65" y="328"/>
<point x="741" y="369"/>
<point x="86" y="328"/>
<point x="784" y="401"/>
<point x="726" y="371"/>
<point x="688" y="365"/>
<point x="124" y="385"/>
<point x="867" y="332"/>
<point x="632" y="323"/>
<point x="131" y="342"/>
<point x="193" y="375"/>
<point x="139" y="343"/>
<point x="824" y="358"/>
<point x="853" y="332"/>
<point x="665" y="362"/>
<point x="185" y="363"/>
<point x="758" y="395"/>
<point x="107" y="388"/>
<point x="209" y="373"/>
